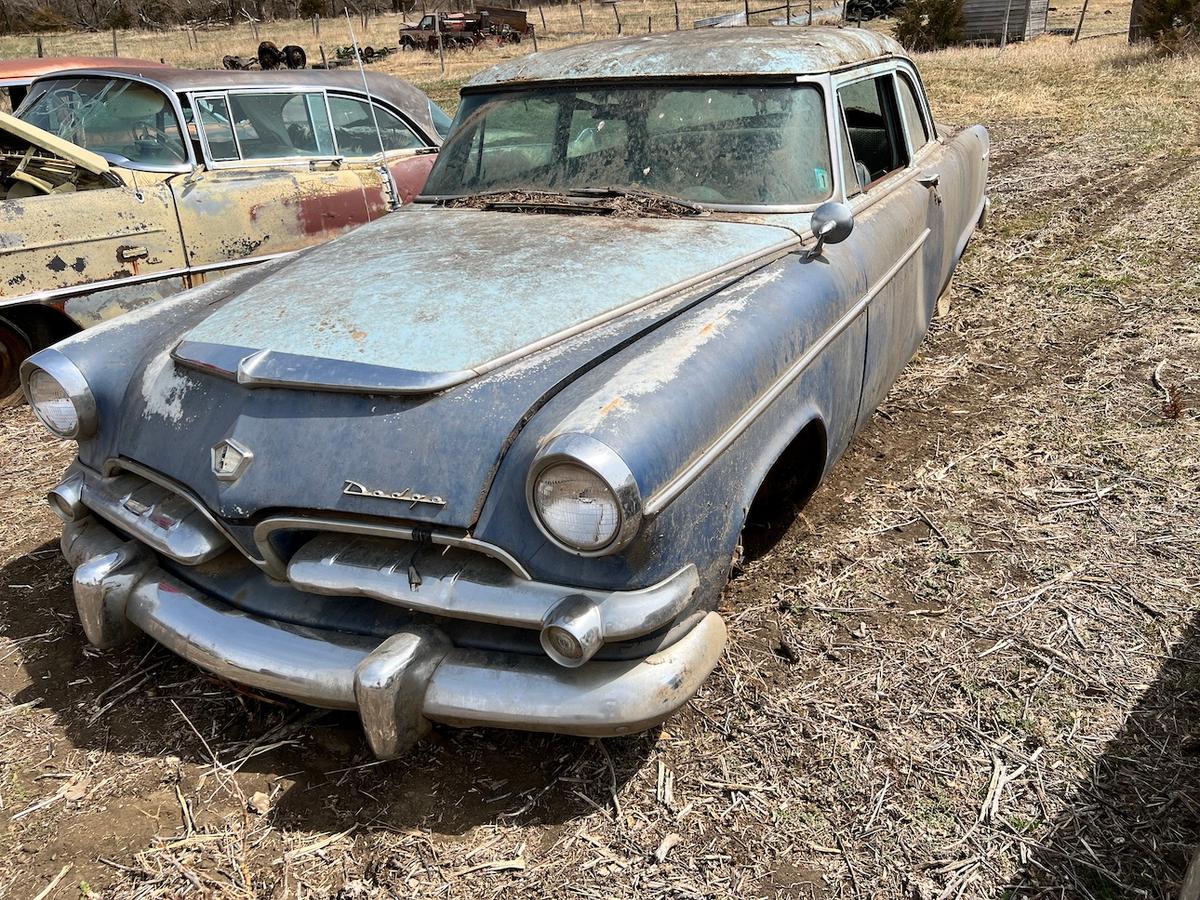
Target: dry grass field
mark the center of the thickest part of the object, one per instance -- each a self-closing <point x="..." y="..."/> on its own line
<point x="968" y="669"/>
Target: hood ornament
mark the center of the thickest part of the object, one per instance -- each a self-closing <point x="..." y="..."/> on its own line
<point x="412" y="498"/>
<point x="230" y="459"/>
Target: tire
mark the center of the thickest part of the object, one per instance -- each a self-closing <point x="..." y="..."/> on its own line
<point x="15" y="348"/>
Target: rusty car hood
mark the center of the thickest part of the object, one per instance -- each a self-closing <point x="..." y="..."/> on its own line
<point x="44" y="140"/>
<point x="429" y="298"/>
<point x="431" y="291"/>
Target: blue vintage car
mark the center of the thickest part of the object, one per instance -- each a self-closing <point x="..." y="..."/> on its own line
<point x="486" y="461"/>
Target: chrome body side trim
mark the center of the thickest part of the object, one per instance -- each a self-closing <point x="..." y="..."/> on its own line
<point x="91" y="287"/>
<point x="466" y="585"/>
<point x="397" y="685"/>
<point x="673" y="488"/>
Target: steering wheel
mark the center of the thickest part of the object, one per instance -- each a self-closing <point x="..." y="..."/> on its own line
<point x="156" y="141"/>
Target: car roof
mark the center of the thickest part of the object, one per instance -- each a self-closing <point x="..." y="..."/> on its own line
<point x="23" y="71"/>
<point x="741" y="51"/>
<point x="395" y="92"/>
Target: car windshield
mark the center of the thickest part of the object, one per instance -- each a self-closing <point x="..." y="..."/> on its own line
<point x="736" y="144"/>
<point x="110" y="116"/>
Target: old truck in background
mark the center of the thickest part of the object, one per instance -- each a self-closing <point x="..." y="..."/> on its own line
<point x="121" y="186"/>
<point x="466" y="30"/>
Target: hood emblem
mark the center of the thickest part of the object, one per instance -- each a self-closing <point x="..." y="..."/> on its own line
<point x="412" y="498"/>
<point x="230" y="459"/>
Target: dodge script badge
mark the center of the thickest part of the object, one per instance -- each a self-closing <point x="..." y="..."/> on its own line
<point x="355" y="489"/>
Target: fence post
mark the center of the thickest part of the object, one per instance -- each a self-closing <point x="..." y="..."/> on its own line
<point x="746" y="5"/>
<point x="810" y="12"/>
<point x="324" y="61"/>
<point x="649" y="24"/>
<point x="542" y="13"/>
<point x="40" y="51"/>
<point x="1079" y="27"/>
<point x="617" y="16"/>
<point x="115" y="53"/>
<point x="787" y="16"/>
<point x="533" y="32"/>
<point x="582" y="24"/>
<point x="676" y="15"/>
<point x="1004" y="31"/>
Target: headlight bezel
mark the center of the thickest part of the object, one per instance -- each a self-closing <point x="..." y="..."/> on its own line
<point x="68" y="376"/>
<point x="602" y="461"/>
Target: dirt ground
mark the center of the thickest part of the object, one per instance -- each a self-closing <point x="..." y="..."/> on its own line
<point x="968" y="668"/>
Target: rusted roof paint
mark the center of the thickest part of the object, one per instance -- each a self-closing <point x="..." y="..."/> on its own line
<point x="23" y="71"/>
<point x="776" y="51"/>
<point x="394" y="294"/>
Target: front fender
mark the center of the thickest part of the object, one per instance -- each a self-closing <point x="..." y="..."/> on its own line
<point x="723" y="375"/>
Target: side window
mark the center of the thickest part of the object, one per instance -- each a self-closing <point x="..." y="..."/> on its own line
<point x="914" y="122"/>
<point x="218" y="128"/>
<point x="355" y="128"/>
<point x="875" y="134"/>
<point x="280" y="125"/>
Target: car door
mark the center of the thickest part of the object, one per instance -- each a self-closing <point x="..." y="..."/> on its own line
<point x="891" y="223"/>
<point x="273" y="181"/>
<point x="362" y="131"/>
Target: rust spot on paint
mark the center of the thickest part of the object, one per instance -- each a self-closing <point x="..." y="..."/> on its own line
<point x="332" y="212"/>
<point x="612" y="406"/>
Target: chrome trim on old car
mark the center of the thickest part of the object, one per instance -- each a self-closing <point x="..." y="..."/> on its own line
<point x="276" y="565"/>
<point x="398" y="685"/>
<point x="467" y="585"/>
<point x="676" y="486"/>
<point x="600" y="459"/>
<point x="164" y="519"/>
<point x="60" y="367"/>
<point x="408" y="495"/>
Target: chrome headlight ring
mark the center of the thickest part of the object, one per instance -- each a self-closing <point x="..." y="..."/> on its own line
<point x="606" y="464"/>
<point x="70" y="379"/>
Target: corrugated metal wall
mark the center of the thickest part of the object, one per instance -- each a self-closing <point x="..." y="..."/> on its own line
<point x="985" y="19"/>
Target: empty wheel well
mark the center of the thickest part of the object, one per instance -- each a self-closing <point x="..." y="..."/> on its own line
<point x="43" y="325"/>
<point x="785" y="489"/>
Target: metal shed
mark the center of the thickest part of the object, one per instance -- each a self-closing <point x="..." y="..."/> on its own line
<point x="985" y="19"/>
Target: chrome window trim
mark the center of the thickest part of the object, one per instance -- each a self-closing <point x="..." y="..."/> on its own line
<point x="604" y="462"/>
<point x="417" y="132"/>
<point x="876" y="71"/>
<point x="276" y="566"/>
<point x="71" y="379"/>
<point x="673" y="488"/>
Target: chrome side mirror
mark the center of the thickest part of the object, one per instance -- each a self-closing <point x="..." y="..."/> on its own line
<point x="832" y="223"/>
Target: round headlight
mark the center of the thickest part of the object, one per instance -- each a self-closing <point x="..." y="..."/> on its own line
<point x="52" y="405"/>
<point x="583" y="496"/>
<point x="576" y="506"/>
<point x="59" y="395"/>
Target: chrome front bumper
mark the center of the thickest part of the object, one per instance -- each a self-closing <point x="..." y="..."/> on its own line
<point x="398" y="685"/>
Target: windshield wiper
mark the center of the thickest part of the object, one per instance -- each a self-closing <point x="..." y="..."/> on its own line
<point x="655" y="201"/>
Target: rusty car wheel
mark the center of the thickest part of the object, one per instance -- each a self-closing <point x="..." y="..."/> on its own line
<point x="15" y="346"/>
